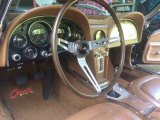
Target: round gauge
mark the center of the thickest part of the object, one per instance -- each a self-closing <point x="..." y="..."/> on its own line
<point x="99" y="35"/>
<point x="64" y="31"/>
<point x="19" y="41"/>
<point x="39" y="33"/>
<point x="31" y="52"/>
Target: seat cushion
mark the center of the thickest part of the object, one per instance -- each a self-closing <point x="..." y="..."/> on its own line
<point x="105" y="111"/>
<point x="155" y="115"/>
<point x="147" y="88"/>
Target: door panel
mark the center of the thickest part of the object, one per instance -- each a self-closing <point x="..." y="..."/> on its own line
<point x="152" y="49"/>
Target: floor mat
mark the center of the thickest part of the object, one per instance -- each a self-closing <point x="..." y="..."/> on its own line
<point x="32" y="106"/>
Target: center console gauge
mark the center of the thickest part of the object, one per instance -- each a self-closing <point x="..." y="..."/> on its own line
<point x="39" y="32"/>
<point x="99" y="35"/>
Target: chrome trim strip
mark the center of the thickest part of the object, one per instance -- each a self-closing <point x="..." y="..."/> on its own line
<point x="5" y="11"/>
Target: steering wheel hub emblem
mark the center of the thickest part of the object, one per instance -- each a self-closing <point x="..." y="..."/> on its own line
<point x="83" y="49"/>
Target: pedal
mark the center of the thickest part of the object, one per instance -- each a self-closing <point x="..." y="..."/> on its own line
<point x="38" y="75"/>
<point x="47" y="84"/>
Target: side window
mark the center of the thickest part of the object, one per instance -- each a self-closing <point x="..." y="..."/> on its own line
<point x="146" y="6"/>
<point x="156" y="19"/>
<point x="89" y="11"/>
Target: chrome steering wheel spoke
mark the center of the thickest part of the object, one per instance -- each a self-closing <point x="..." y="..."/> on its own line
<point x="82" y="48"/>
<point x="68" y="46"/>
<point x="83" y="64"/>
<point x="64" y="44"/>
<point x="94" y="44"/>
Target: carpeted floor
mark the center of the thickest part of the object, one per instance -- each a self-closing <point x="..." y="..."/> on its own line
<point x="32" y="106"/>
<point x="58" y="107"/>
<point x="61" y="104"/>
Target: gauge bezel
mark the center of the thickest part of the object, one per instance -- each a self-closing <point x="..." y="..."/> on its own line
<point x="48" y="27"/>
<point x="71" y="29"/>
<point x="34" y="55"/>
<point x="103" y="35"/>
<point x="24" y="45"/>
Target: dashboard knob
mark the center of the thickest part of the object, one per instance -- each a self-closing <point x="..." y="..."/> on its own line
<point x="16" y="57"/>
<point x="97" y="55"/>
<point x="105" y="53"/>
<point x="44" y="53"/>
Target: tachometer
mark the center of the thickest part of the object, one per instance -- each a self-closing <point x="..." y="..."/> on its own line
<point x="64" y="31"/>
<point x="19" y="41"/>
<point x="39" y="33"/>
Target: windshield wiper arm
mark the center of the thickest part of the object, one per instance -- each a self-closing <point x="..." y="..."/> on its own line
<point x="4" y="10"/>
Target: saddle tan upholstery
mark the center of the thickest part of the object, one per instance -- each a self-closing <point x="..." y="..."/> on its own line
<point x="155" y="115"/>
<point x="147" y="88"/>
<point x="105" y="111"/>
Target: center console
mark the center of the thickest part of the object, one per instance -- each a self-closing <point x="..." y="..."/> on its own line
<point x="121" y="94"/>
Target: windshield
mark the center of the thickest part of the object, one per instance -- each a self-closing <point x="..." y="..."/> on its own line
<point x="86" y="6"/>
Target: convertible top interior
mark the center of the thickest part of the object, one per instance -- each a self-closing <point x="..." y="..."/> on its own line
<point x="59" y="63"/>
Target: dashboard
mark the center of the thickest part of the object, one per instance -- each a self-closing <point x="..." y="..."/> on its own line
<point x="27" y="37"/>
<point x="30" y="40"/>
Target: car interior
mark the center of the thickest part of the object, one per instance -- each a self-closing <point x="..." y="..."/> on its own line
<point x="79" y="60"/>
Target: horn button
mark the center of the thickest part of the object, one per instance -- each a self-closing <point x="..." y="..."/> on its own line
<point x="83" y="49"/>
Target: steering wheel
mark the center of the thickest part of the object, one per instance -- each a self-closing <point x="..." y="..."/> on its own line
<point x="82" y="48"/>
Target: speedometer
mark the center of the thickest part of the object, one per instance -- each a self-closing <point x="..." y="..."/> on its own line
<point x="39" y="33"/>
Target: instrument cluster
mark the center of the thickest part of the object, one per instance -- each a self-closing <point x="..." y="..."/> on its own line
<point x="30" y="41"/>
